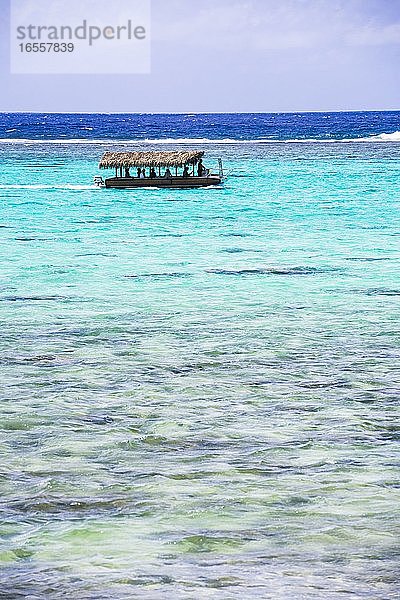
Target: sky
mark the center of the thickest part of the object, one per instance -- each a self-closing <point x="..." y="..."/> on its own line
<point x="236" y="56"/>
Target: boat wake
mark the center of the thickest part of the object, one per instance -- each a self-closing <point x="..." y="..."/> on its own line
<point x="66" y="186"/>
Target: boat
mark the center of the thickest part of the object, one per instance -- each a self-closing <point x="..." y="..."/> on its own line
<point x="158" y="169"/>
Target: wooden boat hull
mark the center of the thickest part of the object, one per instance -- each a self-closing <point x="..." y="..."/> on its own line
<point x="162" y="182"/>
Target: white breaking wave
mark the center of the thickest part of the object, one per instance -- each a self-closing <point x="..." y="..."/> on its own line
<point x="134" y="141"/>
<point x="382" y="137"/>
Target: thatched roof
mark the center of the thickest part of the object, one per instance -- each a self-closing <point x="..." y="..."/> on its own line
<point x="112" y="160"/>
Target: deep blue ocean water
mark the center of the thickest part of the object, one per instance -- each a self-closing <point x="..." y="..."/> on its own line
<point x="242" y="126"/>
<point x="199" y="388"/>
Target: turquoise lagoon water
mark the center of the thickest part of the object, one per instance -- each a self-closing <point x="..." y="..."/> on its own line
<point x="200" y="388"/>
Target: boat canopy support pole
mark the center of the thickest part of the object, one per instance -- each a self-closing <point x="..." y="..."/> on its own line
<point x="221" y="169"/>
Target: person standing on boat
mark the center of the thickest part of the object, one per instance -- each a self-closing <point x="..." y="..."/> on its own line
<point x="200" y="169"/>
<point x="139" y="172"/>
<point x="153" y="173"/>
<point x="143" y="173"/>
<point x="185" y="172"/>
<point x="127" y="174"/>
<point x="168" y="173"/>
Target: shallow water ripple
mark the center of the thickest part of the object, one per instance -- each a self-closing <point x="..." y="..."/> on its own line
<point x="200" y="397"/>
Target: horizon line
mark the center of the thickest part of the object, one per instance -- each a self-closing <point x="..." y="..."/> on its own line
<point x="272" y="112"/>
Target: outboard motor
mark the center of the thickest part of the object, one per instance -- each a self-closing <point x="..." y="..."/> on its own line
<point x="98" y="180"/>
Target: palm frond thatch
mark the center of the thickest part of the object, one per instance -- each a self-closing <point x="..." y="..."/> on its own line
<point x="113" y="160"/>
